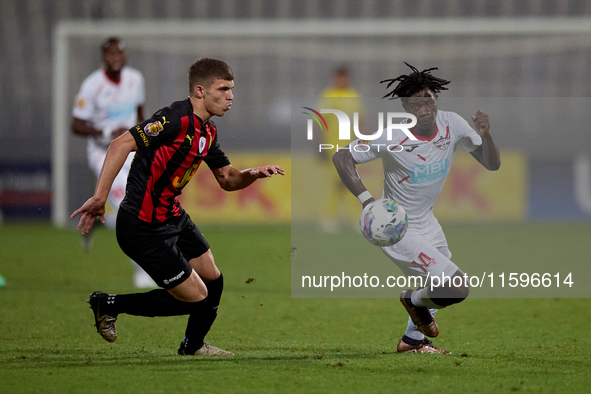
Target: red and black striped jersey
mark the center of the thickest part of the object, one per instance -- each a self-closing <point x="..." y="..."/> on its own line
<point x="171" y="146"/>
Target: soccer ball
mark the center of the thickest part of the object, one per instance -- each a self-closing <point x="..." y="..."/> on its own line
<point x="383" y="222"/>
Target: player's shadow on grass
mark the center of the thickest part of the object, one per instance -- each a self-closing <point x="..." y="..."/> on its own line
<point x="42" y="358"/>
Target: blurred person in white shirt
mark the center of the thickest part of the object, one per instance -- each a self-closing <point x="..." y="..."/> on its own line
<point x="110" y="101"/>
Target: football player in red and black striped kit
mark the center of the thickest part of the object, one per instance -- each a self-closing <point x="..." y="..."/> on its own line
<point x="152" y="227"/>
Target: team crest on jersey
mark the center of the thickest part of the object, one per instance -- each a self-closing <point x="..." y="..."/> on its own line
<point x="201" y="144"/>
<point x="363" y="142"/>
<point x="443" y="142"/>
<point x="153" y="129"/>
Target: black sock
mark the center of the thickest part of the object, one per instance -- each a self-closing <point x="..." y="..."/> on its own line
<point x="201" y="321"/>
<point x="153" y="303"/>
<point x="409" y="341"/>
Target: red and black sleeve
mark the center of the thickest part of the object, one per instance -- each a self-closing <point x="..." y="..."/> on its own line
<point x="216" y="158"/>
<point x="163" y="127"/>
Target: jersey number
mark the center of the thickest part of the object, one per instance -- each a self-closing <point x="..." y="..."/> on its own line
<point x="426" y="262"/>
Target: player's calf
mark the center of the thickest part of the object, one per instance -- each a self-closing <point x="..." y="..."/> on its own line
<point x="452" y="292"/>
<point x="419" y="314"/>
<point x="417" y="303"/>
<point x="200" y="322"/>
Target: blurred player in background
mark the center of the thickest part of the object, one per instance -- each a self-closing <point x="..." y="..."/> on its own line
<point x="152" y="227"/>
<point x="343" y="97"/>
<point x="414" y="174"/>
<point x="109" y="102"/>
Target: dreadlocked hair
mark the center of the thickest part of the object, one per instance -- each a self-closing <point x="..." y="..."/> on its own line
<point x="415" y="82"/>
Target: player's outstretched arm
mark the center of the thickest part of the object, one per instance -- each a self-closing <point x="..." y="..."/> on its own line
<point x="231" y="179"/>
<point x="345" y="165"/>
<point x="95" y="206"/>
<point x="487" y="154"/>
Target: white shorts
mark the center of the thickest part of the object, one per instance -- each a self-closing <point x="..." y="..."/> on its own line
<point x="96" y="157"/>
<point x="422" y="254"/>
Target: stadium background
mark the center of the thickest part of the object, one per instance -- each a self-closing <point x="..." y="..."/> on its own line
<point x="269" y="71"/>
<point x="283" y="344"/>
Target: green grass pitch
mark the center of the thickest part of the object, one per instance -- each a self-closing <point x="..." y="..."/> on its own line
<point x="48" y="343"/>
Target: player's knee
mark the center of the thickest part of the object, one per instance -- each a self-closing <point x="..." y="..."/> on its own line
<point x="459" y="289"/>
<point x="458" y="293"/>
<point x="202" y="292"/>
<point x="190" y="292"/>
<point x="205" y="267"/>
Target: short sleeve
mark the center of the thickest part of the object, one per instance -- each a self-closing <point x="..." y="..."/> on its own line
<point x="364" y="151"/>
<point x="216" y="158"/>
<point x="163" y="127"/>
<point x="84" y="104"/>
<point x="467" y="136"/>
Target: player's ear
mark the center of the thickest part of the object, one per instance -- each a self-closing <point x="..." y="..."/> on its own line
<point x="199" y="91"/>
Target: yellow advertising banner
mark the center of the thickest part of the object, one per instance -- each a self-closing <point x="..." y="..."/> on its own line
<point x="265" y="201"/>
<point x="473" y="194"/>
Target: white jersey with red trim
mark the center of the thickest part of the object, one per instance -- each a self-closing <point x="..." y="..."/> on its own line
<point x="415" y="171"/>
<point x="110" y="105"/>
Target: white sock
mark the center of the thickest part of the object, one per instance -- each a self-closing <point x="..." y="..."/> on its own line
<point x="411" y="329"/>
<point x="136" y="268"/>
<point x="141" y="278"/>
<point x="412" y="332"/>
<point x="420" y="298"/>
<point x="111" y="221"/>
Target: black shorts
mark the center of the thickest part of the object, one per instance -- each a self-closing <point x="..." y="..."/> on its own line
<point x="163" y="250"/>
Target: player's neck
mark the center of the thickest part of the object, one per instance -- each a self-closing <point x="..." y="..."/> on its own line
<point x="425" y="133"/>
<point x="199" y="109"/>
<point x="114" y="76"/>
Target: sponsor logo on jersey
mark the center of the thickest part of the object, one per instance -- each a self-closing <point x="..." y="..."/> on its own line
<point x="153" y="129"/>
<point x="121" y="111"/>
<point x="412" y="147"/>
<point x="142" y="135"/>
<point x="180" y="182"/>
<point x="428" y="172"/>
<point x="201" y="144"/>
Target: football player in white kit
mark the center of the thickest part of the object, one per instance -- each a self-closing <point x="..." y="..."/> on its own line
<point x="109" y="102"/>
<point x="414" y="174"/>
